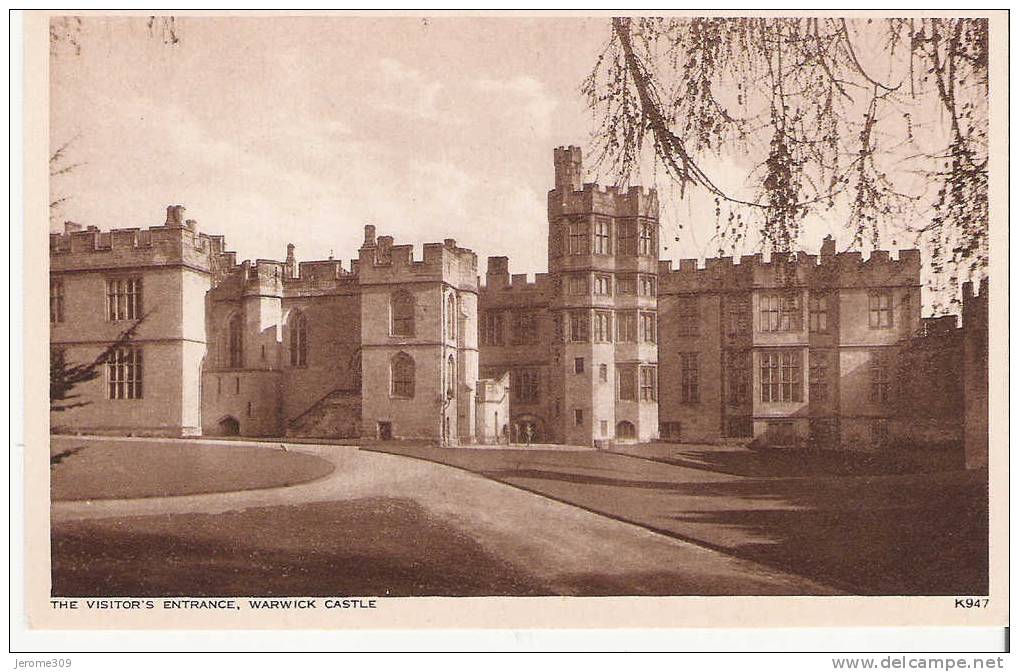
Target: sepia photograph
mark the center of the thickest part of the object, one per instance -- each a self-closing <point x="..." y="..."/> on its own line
<point x="345" y="308"/>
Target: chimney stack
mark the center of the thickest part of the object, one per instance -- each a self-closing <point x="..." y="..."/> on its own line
<point x="175" y="216"/>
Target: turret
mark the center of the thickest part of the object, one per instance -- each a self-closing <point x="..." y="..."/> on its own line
<point x="569" y="166"/>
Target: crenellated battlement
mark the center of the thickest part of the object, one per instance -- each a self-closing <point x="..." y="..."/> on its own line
<point x="176" y="242"/>
<point x="572" y="197"/>
<point x="381" y="261"/>
<point x="783" y="269"/>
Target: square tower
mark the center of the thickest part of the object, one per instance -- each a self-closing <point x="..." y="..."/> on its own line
<point x="603" y="263"/>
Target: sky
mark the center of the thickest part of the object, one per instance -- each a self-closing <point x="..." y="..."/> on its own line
<point x="272" y="130"/>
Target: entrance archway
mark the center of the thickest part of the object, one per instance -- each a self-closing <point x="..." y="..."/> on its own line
<point x="229" y="426"/>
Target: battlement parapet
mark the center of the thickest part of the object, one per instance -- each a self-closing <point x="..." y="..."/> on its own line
<point x="79" y="248"/>
<point x="499" y="280"/>
<point x="612" y="201"/>
<point x="380" y="261"/>
<point x="782" y="269"/>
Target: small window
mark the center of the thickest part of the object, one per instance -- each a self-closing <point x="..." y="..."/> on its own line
<point x="737" y="376"/>
<point x="626" y="377"/>
<point x="237" y="385"/>
<point x="602" y="326"/>
<point x="647" y="239"/>
<point x="251" y="412"/>
<point x="491" y="328"/>
<point x="578" y="285"/>
<point x="402" y="311"/>
<point x="737" y="319"/>
<point x="880" y="310"/>
<point x="818" y="313"/>
<point x="235" y="342"/>
<point x="648" y="285"/>
<point x="451" y="377"/>
<point x="626" y="284"/>
<point x="689" y="378"/>
<point x="298" y="340"/>
<point x="603" y="425"/>
<point x="648" y="328"/>
<point x="578" y="416"/>
<point x="124" y="373"/>
<point x="603" y="285"/>
<point x="579" y="244"/>
<point x="123" y="299"/>
<point x="626" y="327"/>
<point x="880" y="378"/>
<point x="578" y="365"/>
<point x="689" y="316"/>
<point x="780" y="376"/>
<point x="451" y="318"/>
<point x="602" y="239"/>
<point x="56" y="300"/>
<point x="580" y="326"/>
<point x="879" y="434"/>
<point x="648" y="383"/>
<point x="626" y="238"/>
<point x="402" y="376"/>
<point x="603" y="373"/>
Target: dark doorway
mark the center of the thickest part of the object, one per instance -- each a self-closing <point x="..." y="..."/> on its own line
<point x="385" y="431"/>
<point x="229" y="426"/>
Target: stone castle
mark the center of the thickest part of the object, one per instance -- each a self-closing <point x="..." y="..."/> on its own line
<point x="610" y="345"/>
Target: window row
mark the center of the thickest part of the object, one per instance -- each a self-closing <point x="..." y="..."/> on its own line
<point x="525" y="327"/>
<point x="601" y="284"/>
<point x="123" y="299"/>
<point x="583" y="237"/>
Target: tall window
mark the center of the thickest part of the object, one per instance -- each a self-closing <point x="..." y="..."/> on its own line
<point x="450" y="377"/>
<point x="124" y="373"/>
<point x="299" y="340"/>
<point x="689" y="316"/>
<point x="780" y="376"/>
<point x="402" y="310"/>
<point x="648" y="285"/>
<point x="689" y="378"/>
<point x="526" y="389"/>
<point x="603" y="373"/>
<point x="451" y="317"/>
<point x="738" y="311"/>
<point x="626" y="327"/>
<point x="402" y="375"/>
<point x="603" y="285"/>
<point x="578" y="238"/>
<point x="56" y="300"/>
<point x="626" y="284"/>
<point x="880" y="380"/>
<point x="880" y="310"/>
<point x="123" y="299"/>
<point x="647" y="239"/>
<point x="818" y="375"/>
<point x="602" y="326"/>
<point x="578" y="285"/>
<point x="578" y="365"/>
<point x="580" y="326"/>
<point x="235" y="342"/>
<point x="525" y="328"/>
<point x="626" y="238"/>
<point x="602" y="241"/>
<point x="626" y="375"/>
<point x="781" y="312"/>
<point x="648" y="328"/>
<point x="737" y="376"/>
<point x="648" y="383"/>
<point x="818" y="313"/>
<point x="491" y="328"/>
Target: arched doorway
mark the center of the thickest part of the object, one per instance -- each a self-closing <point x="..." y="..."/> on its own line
<point x="229" y="426"/>
<point x="527" y="429"/>
<point x="625" y="430"/>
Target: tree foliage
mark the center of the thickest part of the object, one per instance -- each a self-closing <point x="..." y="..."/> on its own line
<point x="882" y="123"/>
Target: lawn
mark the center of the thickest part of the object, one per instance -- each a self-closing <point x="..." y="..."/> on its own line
<point x="912" y="534"/>
<point x="367" y="547"/>
<point x="124" y="469"/>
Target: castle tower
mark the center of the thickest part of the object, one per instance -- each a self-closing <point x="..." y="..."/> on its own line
<point x="418" y="340"/>
<point x="603" y="259"/>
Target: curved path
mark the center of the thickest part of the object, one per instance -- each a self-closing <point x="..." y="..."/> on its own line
<point x="552" y="541"/>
